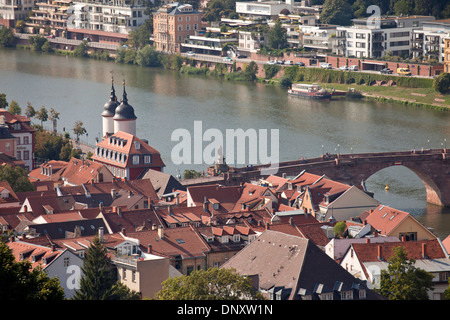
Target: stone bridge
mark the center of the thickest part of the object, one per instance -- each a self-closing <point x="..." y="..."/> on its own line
<point x="431" y="166"/>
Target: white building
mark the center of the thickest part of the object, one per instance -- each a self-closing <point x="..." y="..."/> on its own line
<point x="367" y="40"/>
<point x="428" y="41"/>
<point x="263" y="9"/>
<point x="118" y="16"/>
<point x="13" y="10"/>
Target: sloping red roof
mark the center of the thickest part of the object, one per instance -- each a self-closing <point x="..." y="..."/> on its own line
<point x="227" y="196"/>
<point x="385" y="219"/>
<point x="81" y="171"/>
<point x="367" y="252"/>
<point x="125" y="143"/>
<point x="30" y="251"/>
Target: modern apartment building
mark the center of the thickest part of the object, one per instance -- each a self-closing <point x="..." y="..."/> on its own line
<point x="428" y="42"/>
<point x="103" y="18"/>
<point x="173" y="24"/>
<point x="263" y="9"/>
<point x="12" y="11"/>
<point x="51" y="14"/>
<point x="366" y="40"/>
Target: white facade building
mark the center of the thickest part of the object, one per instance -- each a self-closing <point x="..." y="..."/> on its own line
<point x="365" y="40"/>
<point x="15" y="10"/>
<point x="263" y="9"/>
<point x="118" y="16"/>
<point x="429" y="40"/>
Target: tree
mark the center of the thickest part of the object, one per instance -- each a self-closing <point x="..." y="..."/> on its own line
<point x="18" y="281"/>
<point x="17" y="178"/>
<point x="29" y="110"/>
<point x="37" y="42"/>
<point x="14" y="108"/>
<point x="336" y="12"/>
<point x="78" y="129"/>
<point x="402" y="280"/>
<point x="277" y="38"/>
<point x="339" y="229"/>
<point x="3" y="102"/>
<point x="251" y="71"/>
<point x="212" y="284"/>
<point x="81" y="50"/>
<point x="99" y="280"/>
<point x="42" y="115"/>
<point x="140" y="37"/>
<point x="403" y="7"/>
<point x="6" y="37"/>
<point x="148" y="57"/>
<point x="190" y="174"/>
<point x="442" y="83"/>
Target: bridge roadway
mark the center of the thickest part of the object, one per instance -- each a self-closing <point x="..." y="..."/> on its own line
<point x="432" y="166"/>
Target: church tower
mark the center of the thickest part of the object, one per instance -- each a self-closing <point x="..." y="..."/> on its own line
<point x="124" y="117"/>
<point x="109" y="110"/>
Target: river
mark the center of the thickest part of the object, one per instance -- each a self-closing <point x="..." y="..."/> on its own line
<point x="167" y="100"/>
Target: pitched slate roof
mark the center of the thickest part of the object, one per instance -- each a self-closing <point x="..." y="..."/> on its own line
<point x="227" y="196"/>
<point x="291" y="263"/>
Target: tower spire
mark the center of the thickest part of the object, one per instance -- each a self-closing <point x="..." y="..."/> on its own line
<point x="124" y="98"/>
<point x="113" y="91"/>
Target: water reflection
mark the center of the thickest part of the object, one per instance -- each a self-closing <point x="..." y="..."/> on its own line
<point x="166" y="100"/>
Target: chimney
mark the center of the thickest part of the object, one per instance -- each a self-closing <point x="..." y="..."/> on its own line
<point x="379" y="252"/>
<point x="160" y="232"/>
<point x="177" y="199"/>
<point x="124" y="231"/>
<point x="291" y="221"/>
<point x="113" y="193"/>
<point x="149" y="248"/>
<point x="154" y="227"/>
<point x="169" y="210"/>
<point x="424" y="247"/>
<point x="53" y="247"/>
<point x="367" y="240"/>
<point x="100" y="234"/>
<point x="205" y="204"/>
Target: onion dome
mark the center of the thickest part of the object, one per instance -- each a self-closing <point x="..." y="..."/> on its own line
<point x="124" y="111"/>
<point x="109" y="108"/>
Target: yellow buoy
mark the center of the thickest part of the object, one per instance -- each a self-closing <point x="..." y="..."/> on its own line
<point x="387" y="187"/>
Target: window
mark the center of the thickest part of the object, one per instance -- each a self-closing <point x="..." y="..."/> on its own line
<point x="19" y="155"/>
<point x="66" y="262"/>
<point x="148" y="159"/>
<point x="8" y="146"/>
<point x="133" y="276"/>
<point x="136" y="159"/>
<point x="347" y="295"/>
<point x="124" y="274"/>
<point x="26" y="155"/>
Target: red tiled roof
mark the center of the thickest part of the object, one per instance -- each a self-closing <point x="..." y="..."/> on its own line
<point x="30" y="250"/>
<point x="128" y="147"/>
<point x="385" y="219"/>
<point x="226" y="195"/>
<point x="367" y="252"/>
<point x="81" y="171"/>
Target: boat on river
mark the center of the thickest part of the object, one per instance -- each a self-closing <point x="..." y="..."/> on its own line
<point x="309" y="91"/>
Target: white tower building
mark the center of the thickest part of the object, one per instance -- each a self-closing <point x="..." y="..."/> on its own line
<point x="124" y="117"/>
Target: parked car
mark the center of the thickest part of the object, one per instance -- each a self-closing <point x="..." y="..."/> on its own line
<point x="404" y="71"/>
<point x="288" y="62"/>
<point x="386" y="71"/>
<point x="190" y="54"/>
<point x="326" y="66"/>
<point x="353" y="68"/>
<point x="241" y="56"/>
<point x="344" y="68"/>
<point x="271" y="62"/>
<point x="301" y="64"/>
<point x="227" y="59"/>
<point x="279" y="62"/>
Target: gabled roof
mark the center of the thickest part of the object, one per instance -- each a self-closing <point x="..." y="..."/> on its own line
<point x="291" y="263"/>
<point x="127" y="144"/>
<point x="36" y="254"/>
<point x="79" y="172"/>
<point x="385" y="219"/>
<point x="130" y="220"/>
<point x="418" y="250"/>
<point x="227" y="196"/>
<point x="183" y="241"/>
<point x="162" y="182"/>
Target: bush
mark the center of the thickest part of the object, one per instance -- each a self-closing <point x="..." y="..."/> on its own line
<point x="442" y="83"/>
<point x="285" y="82"/>
<point x="271" y="70"/>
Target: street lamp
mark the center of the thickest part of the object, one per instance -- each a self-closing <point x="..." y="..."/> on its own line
<point x="323" y="152"/>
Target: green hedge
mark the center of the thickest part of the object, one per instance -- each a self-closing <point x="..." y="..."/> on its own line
<point x="297" y="74"/>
